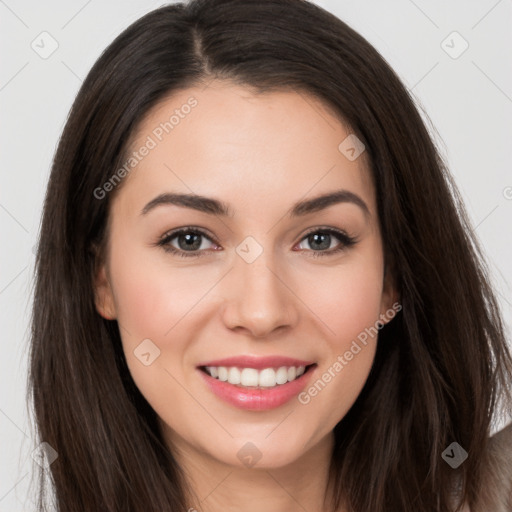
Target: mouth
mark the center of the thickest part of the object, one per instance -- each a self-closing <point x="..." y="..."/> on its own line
<point x="256" y="389"/>
<point x="252" y="378"/>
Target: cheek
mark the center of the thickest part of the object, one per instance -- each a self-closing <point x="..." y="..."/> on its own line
<point x="157" y="302"/>
<point x="347" y="298"/>
<point x="348" y="305"/>
<point x="152" y="297"/>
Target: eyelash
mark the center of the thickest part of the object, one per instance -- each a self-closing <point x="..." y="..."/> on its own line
<point x="346" y="242"/>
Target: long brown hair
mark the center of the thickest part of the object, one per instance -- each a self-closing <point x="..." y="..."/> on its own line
<point x="442" y="365"/>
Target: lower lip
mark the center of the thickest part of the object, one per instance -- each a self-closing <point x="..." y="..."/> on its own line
<point x="257" y="399"/>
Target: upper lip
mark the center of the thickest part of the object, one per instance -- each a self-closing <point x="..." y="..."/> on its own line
<point x="258" y="363"/>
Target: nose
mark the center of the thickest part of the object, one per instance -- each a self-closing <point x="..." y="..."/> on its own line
<point x="259" y="297"/>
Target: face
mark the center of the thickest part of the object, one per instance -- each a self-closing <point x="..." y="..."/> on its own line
<point x="277" y="275"/>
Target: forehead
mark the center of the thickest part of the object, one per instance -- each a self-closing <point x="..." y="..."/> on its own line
<point x="249" y="149"/>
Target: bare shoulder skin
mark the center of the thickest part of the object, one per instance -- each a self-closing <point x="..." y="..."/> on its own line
<point x="496" y="489"/>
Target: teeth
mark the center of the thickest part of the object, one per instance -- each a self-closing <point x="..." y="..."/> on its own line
<point x="282" y="375"/>
<point x="223" y="373"/>
<point x="267" y="378"/>
<point x="250" y="377"/>
<point x="234" y="375"/>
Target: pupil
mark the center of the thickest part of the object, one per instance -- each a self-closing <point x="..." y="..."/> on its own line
<point x="316" y="236"/>
<point x="322" y="240"/>
<point x="190" y="240"/>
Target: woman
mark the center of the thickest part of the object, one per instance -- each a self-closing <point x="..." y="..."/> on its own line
<point x="193" y="348"/>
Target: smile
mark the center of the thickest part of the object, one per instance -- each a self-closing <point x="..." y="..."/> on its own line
<point x="257" y="390"/>
<point x="253" y="378"/>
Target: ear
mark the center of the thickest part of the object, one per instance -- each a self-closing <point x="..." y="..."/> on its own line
<point x="103" y="296"/>
<point x="390" y="302"/>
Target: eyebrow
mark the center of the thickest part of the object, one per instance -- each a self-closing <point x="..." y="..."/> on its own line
<point x="216" y="207"/>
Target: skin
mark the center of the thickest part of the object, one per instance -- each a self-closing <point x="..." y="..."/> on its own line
<point x="259" y="154"/>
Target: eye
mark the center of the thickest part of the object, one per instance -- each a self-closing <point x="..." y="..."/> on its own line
<point x="189" y="241"/>
<point x="321" y="239"/>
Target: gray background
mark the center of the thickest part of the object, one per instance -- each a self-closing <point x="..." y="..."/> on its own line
<point x="468" y="100"/>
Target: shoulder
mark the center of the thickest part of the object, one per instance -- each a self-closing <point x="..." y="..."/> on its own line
<point x="496" y="488"/>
